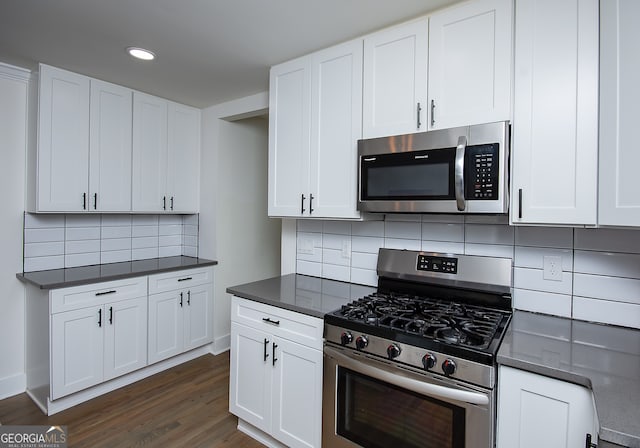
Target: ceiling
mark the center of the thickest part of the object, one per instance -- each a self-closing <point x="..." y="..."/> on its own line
<point x="208" y="51"/>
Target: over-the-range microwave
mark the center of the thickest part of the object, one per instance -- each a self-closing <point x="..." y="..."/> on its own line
<point x="457" y="170"/>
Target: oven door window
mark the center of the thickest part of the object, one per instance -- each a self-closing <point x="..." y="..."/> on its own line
<point x="374" y="414"/>
<point x="419" y="175"/>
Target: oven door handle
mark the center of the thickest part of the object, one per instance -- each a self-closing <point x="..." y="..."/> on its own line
<point x="401" y="380"/>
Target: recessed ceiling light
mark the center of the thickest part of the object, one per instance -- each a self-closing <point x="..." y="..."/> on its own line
<point x="141" y="53"/>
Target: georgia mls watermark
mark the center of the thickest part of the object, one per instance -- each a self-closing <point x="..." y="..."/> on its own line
<point x="33" y="436"/>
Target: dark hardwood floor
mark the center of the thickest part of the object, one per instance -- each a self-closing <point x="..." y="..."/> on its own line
<point x="186" y="406"/>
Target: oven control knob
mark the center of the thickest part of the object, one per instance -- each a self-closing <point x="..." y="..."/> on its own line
<point x="346" y="337"/>
<point x="448" y="367"/>
<point x="393" y="351"/>
<point x="361" y="342"/>
<point x="429" y="361"/>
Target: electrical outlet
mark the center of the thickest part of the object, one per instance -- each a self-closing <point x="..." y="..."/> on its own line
<point x="305" y="245"/>
<point x="346" y="249"/>
<point x="552" y="268"/>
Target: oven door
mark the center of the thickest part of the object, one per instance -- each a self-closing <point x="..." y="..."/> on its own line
<point x="373" y="404"/>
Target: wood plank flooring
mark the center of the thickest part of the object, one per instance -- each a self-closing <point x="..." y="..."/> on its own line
<point x="186" y="406"/>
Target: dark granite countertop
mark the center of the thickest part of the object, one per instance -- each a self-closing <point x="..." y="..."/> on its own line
<point x="83" y="275"/>
<point x="604" y="358"/>
<point x="301" y="293"/>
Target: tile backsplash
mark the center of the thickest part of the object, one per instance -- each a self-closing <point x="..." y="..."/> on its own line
<point x="64" y="241"/>
<point x="598" y="275"/>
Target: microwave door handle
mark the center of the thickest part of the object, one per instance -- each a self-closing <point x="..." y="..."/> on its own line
<point x="399" y="379"/>
<point x="459" y="172"/>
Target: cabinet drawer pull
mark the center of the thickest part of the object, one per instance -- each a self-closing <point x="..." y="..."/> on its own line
<point x="181" y="295"/>
<point x="269" y="321"/>
<point x="273" y="354"/>
<point x="266" y="355"/>
<point x="418" y="110"/>
<point x="189" y="298"/>
<point x="185" y="279"/>
<point x="104" y="293"/>
<point x="171" y="202"/>
<point x="302" y="204"/>
<point x="84" y="201"/>
<point x="95" y="201"/>
<point x="588" y="443"/>
<point x="110" y="315"/>
<point x="433" y="113"/>
<point x="164" y="202"/>
<point x="520" y="203"/>
<point x="100" y="317"/>
<point x="310" y="203"/>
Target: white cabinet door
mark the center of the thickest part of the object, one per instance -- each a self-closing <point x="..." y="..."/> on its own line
<point x="198" y="316"/>
<point x="297" y="394"/>
<point x="619" y="204"/>
<point x="250" y="376"/>
<point x="63" y="141"/>
<point x="76" y="350"/>
<point x="470" y="64"/>
<point x="555" y="123"/>
<point x="535" y="411"/>
<point x="149" y="153"/>
<point x="395" y="80"/>
<point x="336" y="125"/>
<point x="110" y="147"/>
<point x="289" y="134"/>
<point x="125" y="340"/>
<point x="166" y="325"/>
<point x="183" y="169"/>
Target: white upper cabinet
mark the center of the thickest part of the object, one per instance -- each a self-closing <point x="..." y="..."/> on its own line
<point x="315" y="109"/>
<point x="395" y="80"/>
<point x="110" y="147"/>
<point x="619" y="203"/>
<point x="470" y="55"/>
<point x="166" y="155"/>
<point x="555" y="122"/>
<point x="63" y="141"/>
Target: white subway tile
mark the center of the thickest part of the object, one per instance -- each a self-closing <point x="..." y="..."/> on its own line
<point x="189" y="251"/>
<point x="366" y="244"/>
<point x="116" y="220"/>
<point x="169" y="220"/>
<point x="607" y="263"/>
<point x="396" y="243"/>
<point x="47" y="249"/>
<point x="188" y="240"/>
<point x="115" y="256"/>
<point x="446" y="219"/>
<point x="315" y="237"/>
<point x="446" y="247"/>
<point x="190" y="230"/>
<point x="557" y="237"/>
<point x="170" y="251"/>
<point x="332" y="241"/>
<point x="489" y="250"/>
<point x="115" y="244"/>
<point x="144" y="253"/>
<point x="85" y="259"/>
<point x="364" y="277"/>
<point x="82" y="221"/>
<point x="605" y="311"/>
<point x="487" y="219"/>
<point x="533" y="257"/>
<point x="143" y="231"/>
<point x="608" y="240"/>
<point x="43" y="235"/>
<point x="525" y="278"/>
<point x="33" y="221"/>
<point x="116" y="232"/>
<point x="608" y="288"/>
<point x="368" y="228"/>
<point x="82" y="246"/>
<point x="403" y="230"/>
<point x="337" y="227"/>
<point x="542" y="302"/>
<point x="43" y="263"/>
<point x="443" y="232"/>
<point x="309" y="225"/>
<point x="489" y="234"/>
<point x="144" y="220"/>
<point x="169" y="240"/>
<point x="364" y="261"/>
<point x="170" y="229"/>
<point x="144" y="242"/>
<point x="332" y="256"/>
<point x="82" y="233"/>
<point x="402" y="217"/>
<point x="192" y="220"/>
<point x="333" y="272"/>
<point x="309" y="268"/>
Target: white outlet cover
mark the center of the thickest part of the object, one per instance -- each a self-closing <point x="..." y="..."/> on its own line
<point x="552" y="268"/>
<point x="305" y="246"/>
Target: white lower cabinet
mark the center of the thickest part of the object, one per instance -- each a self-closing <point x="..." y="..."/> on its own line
<point x="535" y="411"/>
<point x="275" y="379"/>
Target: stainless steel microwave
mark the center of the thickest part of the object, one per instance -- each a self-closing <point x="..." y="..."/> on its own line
<point x="457" y="170"/>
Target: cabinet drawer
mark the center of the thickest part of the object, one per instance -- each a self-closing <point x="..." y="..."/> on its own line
<point x="77" y="297"/>
<point x="170" y="281"/>
<point x="297" y="327"/>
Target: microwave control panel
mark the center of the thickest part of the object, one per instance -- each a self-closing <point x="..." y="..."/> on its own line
<point x="481" y="172"/>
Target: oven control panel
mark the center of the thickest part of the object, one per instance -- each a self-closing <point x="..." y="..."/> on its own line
<point x="447" y="265"/>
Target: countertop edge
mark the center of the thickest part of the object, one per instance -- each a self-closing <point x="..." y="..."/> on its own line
<point x="278" y="304"/>
<point x="202" y="262"/>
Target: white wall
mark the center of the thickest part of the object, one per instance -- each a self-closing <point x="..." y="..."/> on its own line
<point x="234" y="227"/>
<point x="13" y="142"/>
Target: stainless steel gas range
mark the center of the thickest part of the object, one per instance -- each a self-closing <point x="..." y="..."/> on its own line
<point x="413" y="364"/>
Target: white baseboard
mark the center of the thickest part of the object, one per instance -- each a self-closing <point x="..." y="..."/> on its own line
<point x="258" y="434"/>
<point x="221" y="344"/>
<point x="12" y="385"/>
